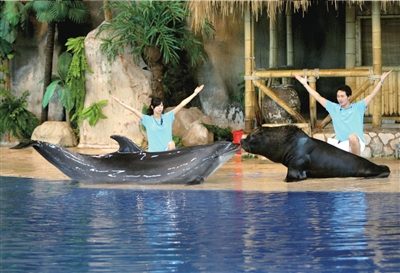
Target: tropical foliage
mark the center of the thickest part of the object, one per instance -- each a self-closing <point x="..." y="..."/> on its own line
<point x="60" y="83"/>
<point x="12" y="19"/>
<point x="219" y="132"/>
<point x="76" y="72"/>
<point x="15" y="117"/>
<point x="53" y="12"/>
<point x="157" y="32"/>
<point x="93" y="112"/>
<point x="70" y="82"/>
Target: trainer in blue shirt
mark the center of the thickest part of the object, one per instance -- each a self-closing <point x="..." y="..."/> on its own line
<point x="347" y="118"/>
<point x="159" y="125"/>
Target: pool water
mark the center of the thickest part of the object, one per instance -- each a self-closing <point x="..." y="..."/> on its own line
<point x="55" y="226"/>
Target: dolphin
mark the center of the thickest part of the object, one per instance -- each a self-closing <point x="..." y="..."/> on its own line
<point x="132" y="165"/>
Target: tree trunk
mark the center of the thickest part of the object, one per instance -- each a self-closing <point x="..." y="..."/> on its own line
<point x="48" y="68"/>
<point x="107" y="12"/>
<point x="153" y="60"/>
<point x="7" y="83"/>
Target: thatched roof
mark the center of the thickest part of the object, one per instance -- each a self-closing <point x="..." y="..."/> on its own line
<point x="210" y="9"/>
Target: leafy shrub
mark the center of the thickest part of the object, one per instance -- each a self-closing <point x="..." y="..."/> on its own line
<point x="14" y="116"/>
<point x="219" y="132"/>
<point x="93" y="113"/>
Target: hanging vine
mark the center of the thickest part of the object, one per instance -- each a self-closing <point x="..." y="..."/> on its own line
<point x="76" y="74"/>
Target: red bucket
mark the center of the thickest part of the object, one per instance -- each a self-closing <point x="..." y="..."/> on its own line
<point x="237" y="136"/>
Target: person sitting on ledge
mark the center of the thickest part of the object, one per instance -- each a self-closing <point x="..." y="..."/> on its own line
<point x="347" y="117"/>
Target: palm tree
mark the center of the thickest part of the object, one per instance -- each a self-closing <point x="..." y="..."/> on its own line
<point x="53" y="12"/>
<point x="157" y="32"/>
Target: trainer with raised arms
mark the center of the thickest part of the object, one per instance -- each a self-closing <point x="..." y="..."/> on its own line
<point x="159" y="125"/>
<point x="347" y="117"/>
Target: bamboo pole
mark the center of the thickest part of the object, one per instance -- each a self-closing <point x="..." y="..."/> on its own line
<point x="289" y="38"/>
<point x="313" y="73"/>
<point x="350" y="43"/>
<point x="250" y="97"/>
<point x="397" y="98"/>
<point x="279" y="101"/>
<point x="376" y="60"/>
<point x="289" y="43"/>
<point x="273" y="43"/>
<point x="313" y="103"/>
<point x="360" y="90"/>
<point x="391" y="95"/>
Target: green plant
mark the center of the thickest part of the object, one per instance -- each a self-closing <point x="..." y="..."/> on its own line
<point x="12" y="21"/>
<point x="156" y="31"/>
<point x="60" y="83"/>
<point x="178" y="141"/>
<point x="70" y="83"/>
<point x="219" y="132"/>
<point x="93" y="112"/>
<point x="14" y="116"/>
<point x="53" y="12"/>
<point x="249" y="156"/>
<point x="76" y="71"/>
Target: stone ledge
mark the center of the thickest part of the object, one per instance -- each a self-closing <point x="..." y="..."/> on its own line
<point x="379" y="142"/>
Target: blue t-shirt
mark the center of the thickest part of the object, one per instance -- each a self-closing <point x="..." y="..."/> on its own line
<point x="347" y="121"/>
<point x="159" y="132"/>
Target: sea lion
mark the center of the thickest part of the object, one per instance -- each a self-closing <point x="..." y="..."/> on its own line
<point x="308" y="157"/>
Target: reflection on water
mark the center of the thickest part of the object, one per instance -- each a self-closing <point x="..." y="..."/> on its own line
<point x="53" y="226"/>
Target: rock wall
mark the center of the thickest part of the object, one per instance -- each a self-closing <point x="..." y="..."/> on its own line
<point x="221" y="74"/>
<point x="122" y="78"/>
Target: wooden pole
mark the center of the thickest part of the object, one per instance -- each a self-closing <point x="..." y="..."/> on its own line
<point x="316" y="73"/>
<point x="355" y="94"/>
<point x="250" y="94"/>
<point x="376" y="60"/>
<point x="279" y="101"/>
<point x="289" y="43"/>
<point x="273" y="43"/>
<point x="313" y="103"/>
<point x="350" y="43"/>
<point x="289" y="38"/>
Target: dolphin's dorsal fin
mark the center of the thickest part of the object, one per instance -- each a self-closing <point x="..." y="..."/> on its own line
<point x="126" y="146"/>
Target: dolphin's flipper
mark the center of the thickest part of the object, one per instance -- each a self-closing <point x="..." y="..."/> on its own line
<point x="24" y="144"/>
<point x="126" y="146"/>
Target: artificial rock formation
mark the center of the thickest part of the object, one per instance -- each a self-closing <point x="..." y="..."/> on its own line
<point x="56" y="132"/>
<point x="123" y="79"/>
<point x="130" y="83"/>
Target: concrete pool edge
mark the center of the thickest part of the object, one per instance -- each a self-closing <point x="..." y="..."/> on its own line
<point x="237" y="174"/>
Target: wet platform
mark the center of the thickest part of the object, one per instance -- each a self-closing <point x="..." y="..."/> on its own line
<point x="238" y="174"/>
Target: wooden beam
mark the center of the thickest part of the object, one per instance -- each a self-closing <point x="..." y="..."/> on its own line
<point x="315" y="73"/>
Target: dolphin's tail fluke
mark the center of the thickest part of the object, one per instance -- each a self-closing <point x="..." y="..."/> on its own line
<point x="24" y="144"/>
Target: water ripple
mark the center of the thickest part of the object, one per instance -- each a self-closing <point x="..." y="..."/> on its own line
<point x="55" y="227"/>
